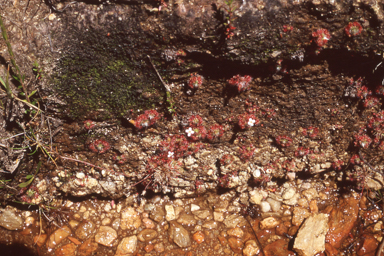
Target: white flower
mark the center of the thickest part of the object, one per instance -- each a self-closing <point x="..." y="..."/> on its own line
<point x="189" y="131"/>
<point x="170" y="154"/>
<point x="251" y="122"/>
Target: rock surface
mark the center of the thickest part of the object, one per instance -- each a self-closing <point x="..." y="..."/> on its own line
<point x="310" y="239"/>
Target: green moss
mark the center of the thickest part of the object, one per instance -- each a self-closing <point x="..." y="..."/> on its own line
<point x="99" y="78"/>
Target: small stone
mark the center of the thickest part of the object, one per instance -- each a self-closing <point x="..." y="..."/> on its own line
<point x="299" y="214"/>
<point x="310" y="194"/>
<point x="106" y="222"/>
<point x="218" y="216"/>
<point x="255" y="197"/>
<point x="130" y="219"/>
<point x="198" y="237"/>
<point x="179" y="235"/>
<point x="127" y="245"/>
<point x="59" y="235"/>
<point x="302" y="202"/>
<point x="40" y="239"/>
<point x="275" y="205"/>
<point x="268" y="223"/>
<point x="147" y="235"/>
<point x="85" y="229"/>
<point x="251" y="248"/>
<point x="187" y="219"/>
<point x="66" y="250"/>
<point x="159" y="247"/>
<point x="9" y="219"/>
<point x="148" y="248"/>
<point x="235" y="232"/>
<point x="51" y="16"/>
<point x="292" y="201"/>
<point x="148" y="223"/>
<point x="170" y="213"/>
<point x="313" y="206"/>
<point x="87" y="248"/>
<point x="288" y="193"/>
<point x="105" y="235"/>
<point x="210" y="224"/>
<point x="29" y="221"/>
<point x="157" y="214"/>
<point x="265" y="206"/>
<point x="233" y="220"/>
<point x="194" y="207"/>
<point x="73" y="223"/>
<point x="310" y="239"/>
<point x="201" y="214"/>
<point x="236" y="244"/>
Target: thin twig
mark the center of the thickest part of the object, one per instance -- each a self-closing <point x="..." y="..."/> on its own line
<point x="161" y="79"/>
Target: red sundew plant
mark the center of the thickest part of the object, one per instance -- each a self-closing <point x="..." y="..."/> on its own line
<point x="227" y="159"/>
<point x="287" y="28"/>
<point x="195" y="120"/>
<point x="289" y="165"/>
<point x="99" y="146"/>
<point x="353" y="29"/>
<point x="247" y="121"/>
<point x="120" y="159"/>
<point x="89" y="124"/>
<point x="241" y="82"/>
<point x="246" y="152"/>
<point x="269" y="112"/>
<point x="283" y="141"/>
<point x="302" y="151"/>
<point x="177" y="144"/>
<point x="195" y="81"/>
<point x="337" y="165"/>
<point x="355" y="159"/>
<point x="363" y="140"/>
<point x="363" y="92"/>
<point x="380" y="90"/>
<point x="199" y="133"/>
<point x="215" y="132"/>
<point x="181" y="52"/>
<point x="381" y="146"/>
<point x="321" y="36"/>
<point x="149" y="118"/>
<point x="311" y="132"/>
<point x="371" y="101"/>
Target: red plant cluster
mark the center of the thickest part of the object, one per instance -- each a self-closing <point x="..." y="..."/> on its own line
<point x="283" y="141"/>
<point x="199" y="133"/>
<point x="321" y="37"/>
<point x="363" y="92"/>
<point x="247" y="121"/>
<point x="355" y="159"/>
<point x="241" y="82"/>
<point x="287" y="28"/>
<point x="337" y="165"/>
<point x="246" y="152"/>
<point x="195" y="81"/>
<point x="147" y="119"/>
<point x="215" y="132"/>
<point x="311" y="132"/>
<point x="371" y="101"/>
<point x="289" y="165"/>
<point x="353" y="29"/>
<point x="227" y="159"/>
<point x="363" y="140"/>
<point x="195" y="121"/>
<point x="120" y="159"/>
<point x="179" y="146"/>
<point x="89" y="124"/>
<point x="302" y="151"/>
<point x="380" y="90"/>
<point x="99" y="146"/>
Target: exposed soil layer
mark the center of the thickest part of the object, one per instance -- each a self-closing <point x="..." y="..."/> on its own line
<point x="194" y="99"/>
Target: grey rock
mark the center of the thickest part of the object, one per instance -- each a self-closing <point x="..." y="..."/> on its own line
<point x="179" y="235"/>
<point x="9" y="219"/>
